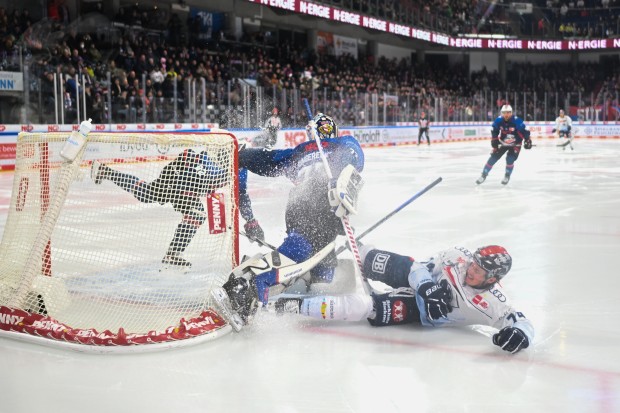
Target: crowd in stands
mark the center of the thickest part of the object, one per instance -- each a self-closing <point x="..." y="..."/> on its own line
<point x="137" y="76"/>
<point x="579" y="18"/>
<point x="548" y="18"/>
<point x="448" y="16"/>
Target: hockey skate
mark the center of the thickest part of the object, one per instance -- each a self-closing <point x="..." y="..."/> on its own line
<point x="222" y="302"/>
<point x="98" y="171"/>
<point x="243" y="296"/>
<point x="506" y="179"/>
<point x="482" y="178"/>
<point x="35" y="304"/>
<point x="174" y="260"/>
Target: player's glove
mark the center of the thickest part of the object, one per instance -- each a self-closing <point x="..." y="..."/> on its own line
<point x="553" y="130"/>
<point x="527" y="144"/>
<point x="511" y="339"/>
<point x="495" y="141"/>
<point x="253" y="230"/>
<point x="436" y="298"/>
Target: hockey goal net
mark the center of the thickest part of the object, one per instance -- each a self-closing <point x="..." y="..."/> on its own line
<point x="122" y="246"/>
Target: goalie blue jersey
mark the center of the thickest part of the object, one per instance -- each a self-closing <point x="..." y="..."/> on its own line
<point x="299" y="164"/>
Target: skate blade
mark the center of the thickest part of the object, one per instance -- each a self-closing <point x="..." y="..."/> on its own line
<point x="175" y="269"/>
<point x="222" y="302"/>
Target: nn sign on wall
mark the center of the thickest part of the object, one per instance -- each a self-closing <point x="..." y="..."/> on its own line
<point x="11" y="81"/>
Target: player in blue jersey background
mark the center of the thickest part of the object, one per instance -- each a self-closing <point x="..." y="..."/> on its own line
<point x="508" y="133"/>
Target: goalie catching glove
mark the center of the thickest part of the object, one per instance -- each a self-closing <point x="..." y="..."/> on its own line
<point x="343" y="192"/>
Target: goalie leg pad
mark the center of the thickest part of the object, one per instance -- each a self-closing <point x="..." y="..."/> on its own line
<point x="344" y="192"/>
<point x="388" y="267"/>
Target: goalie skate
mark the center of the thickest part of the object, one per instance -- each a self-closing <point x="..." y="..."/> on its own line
<point x="222" y="302"/>
<point x="174" y="263"/>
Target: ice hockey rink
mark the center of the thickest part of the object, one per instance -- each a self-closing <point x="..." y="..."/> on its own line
<point x="559" y="217"/>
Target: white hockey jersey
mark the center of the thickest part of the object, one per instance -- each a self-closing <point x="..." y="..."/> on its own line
<point x="562" y="123"/>
<point x="470" y="305"/>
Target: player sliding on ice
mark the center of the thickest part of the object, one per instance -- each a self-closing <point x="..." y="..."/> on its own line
<point x="507" y="134"/>
<point x="312" y="216"/>
<point x="563" y="126"/>
<point x="454" y="288"/>
<point x="182" y="183"/>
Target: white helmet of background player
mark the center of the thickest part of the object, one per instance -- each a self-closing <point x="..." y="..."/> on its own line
<point x="495" y="260"/>
<point x="325" y="127"/>
<point x="506" y="112"/>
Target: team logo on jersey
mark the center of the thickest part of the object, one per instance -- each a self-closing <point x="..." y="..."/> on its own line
<point x="479" y="301"/>
<point x="379" y="262"/>
<point x="508" y="140"/>
<point x="501" y="297"/>
<point x="399" y="310"/>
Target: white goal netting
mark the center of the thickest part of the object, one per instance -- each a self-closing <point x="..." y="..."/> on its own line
<point x="123" y="245"/>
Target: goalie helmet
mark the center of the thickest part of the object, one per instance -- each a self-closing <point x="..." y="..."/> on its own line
<point x="494" y="259"/>
<point x="325" y="127"/>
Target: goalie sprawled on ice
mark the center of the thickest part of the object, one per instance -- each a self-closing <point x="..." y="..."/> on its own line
<point x="313" y="213"/>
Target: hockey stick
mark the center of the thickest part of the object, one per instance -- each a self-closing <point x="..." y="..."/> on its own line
<point x="388" y="216"/>
<point x="344" y="219"/>
<point x="373" y="226"/>
<point x="260" y="241"/>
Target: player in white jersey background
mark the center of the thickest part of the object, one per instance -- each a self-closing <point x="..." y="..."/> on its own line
<point x="454" y="288"/>
<point x="563" y="126"/>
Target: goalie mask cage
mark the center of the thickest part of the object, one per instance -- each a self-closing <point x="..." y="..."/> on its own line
<point x="81" y="262"/>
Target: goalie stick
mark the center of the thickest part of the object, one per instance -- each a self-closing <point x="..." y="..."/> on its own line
<point x="373" y="226"/>
<point x="388" y="216"/>
<point x="344" y="219"/>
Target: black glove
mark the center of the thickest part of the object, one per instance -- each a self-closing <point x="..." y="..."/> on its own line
<point x="553" y="130"/>
<point x="436" y="298"/>
<point x="511" y="339"/>
<point x="253" y="230"/>
<point x="495" y="142"/>
<point x="527" y="144"/>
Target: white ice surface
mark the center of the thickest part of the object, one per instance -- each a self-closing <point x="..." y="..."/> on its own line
<point x="560" y="219"/>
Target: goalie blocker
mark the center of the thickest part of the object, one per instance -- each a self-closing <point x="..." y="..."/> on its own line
<point x="343" y="192"/>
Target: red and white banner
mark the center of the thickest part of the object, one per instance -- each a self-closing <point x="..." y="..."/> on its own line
<point x="20" y="321"/>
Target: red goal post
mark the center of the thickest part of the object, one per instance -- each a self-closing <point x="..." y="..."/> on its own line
<point x="81" y="262"/>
